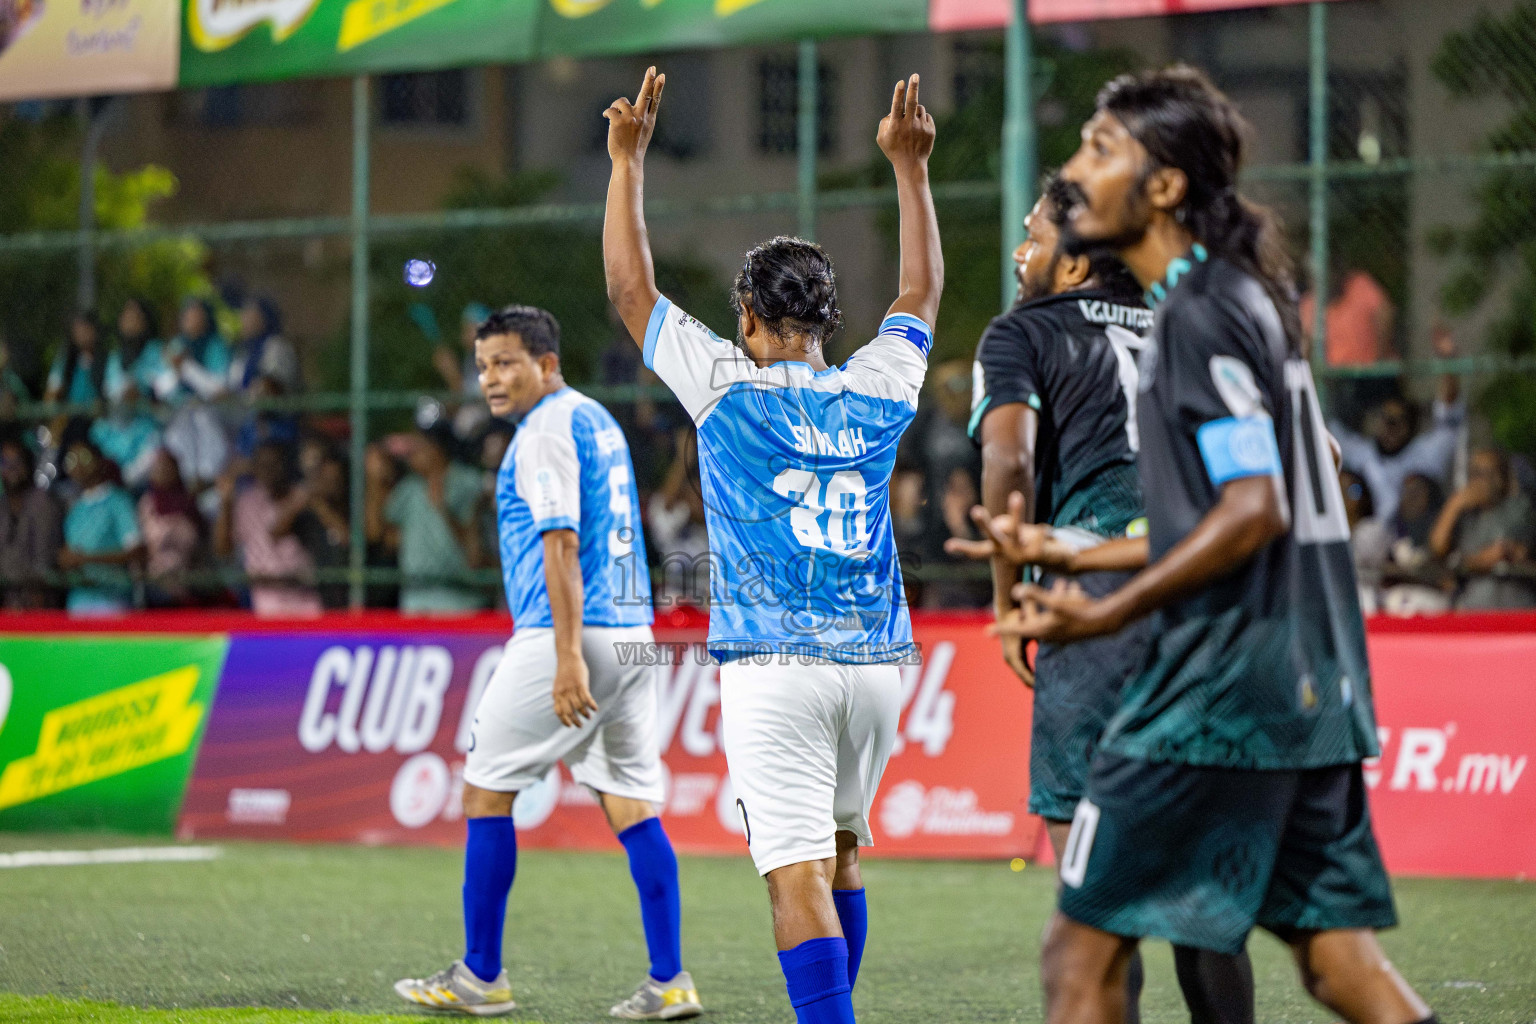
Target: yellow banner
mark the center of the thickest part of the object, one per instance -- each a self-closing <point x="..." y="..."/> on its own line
<point x="87" y="47"/>
<point x="107" y="735"/>
<point x="366" y="20"/>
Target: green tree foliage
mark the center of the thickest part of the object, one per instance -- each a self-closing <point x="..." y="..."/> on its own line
<point x="1496" y="253"/>
<point x="38" y="291"/>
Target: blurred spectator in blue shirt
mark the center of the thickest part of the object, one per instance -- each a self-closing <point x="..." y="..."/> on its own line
<point x="78" y="376"/>
<point x="101" y="535"/>
<point x="1390" y="452"/>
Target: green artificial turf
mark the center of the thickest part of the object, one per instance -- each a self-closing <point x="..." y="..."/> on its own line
<point x="319" y="933"/>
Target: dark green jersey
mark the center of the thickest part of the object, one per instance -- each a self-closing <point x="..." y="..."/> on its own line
<point x="1266" y="667"/>
<point x="1071" y="358"/>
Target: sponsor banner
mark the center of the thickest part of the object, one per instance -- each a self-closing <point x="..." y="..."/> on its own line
<point x="1454" y="792"/>
<point x="86" y="47"/>
<point x="101" y="732"/>
<point x="225" y="41"/>
<point x="239" y="40"/>
<point x="963" y="15"/>
<point x="362" y="737"/>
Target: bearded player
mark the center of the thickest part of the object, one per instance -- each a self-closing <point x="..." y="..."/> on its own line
<point x="1227" y="790"/>
<point x="795" y="458"/>
<point x="1054" y="411"/>
<point x="570" y="548"/>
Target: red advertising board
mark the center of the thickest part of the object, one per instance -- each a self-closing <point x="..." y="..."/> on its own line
<point x="960" y="15"/>
<point x="361" y="737"/>
<point x="353" y="729"/>
<point x="1453" y="792"/>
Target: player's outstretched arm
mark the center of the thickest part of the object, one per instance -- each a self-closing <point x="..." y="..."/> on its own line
<point x="906" y="137"/>
<point x="626" y="245"/>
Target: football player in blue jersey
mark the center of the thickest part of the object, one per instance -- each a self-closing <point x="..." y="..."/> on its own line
<point x="574" y="566"/>
<point x="795" y="459"/>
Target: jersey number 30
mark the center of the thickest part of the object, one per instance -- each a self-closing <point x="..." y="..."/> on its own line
<point x="829" y="514"/>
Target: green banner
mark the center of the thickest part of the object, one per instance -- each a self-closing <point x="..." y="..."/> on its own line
<point x="102" y="732"/>
<point x="225" y="41"/>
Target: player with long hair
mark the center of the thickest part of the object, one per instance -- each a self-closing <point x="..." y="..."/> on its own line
<point x="1054" y="412"/>
<point x="1227" y="790"/>
<point x="795" y="457"/>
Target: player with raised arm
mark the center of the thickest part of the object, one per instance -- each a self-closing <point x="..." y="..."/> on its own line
<point x="1227" y="790"/>
<point x="574" y="563"/>
<point x="1054" y="411"/>
<point x="795" y="458"/>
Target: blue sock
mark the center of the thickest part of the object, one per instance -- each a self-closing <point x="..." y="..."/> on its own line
<point x="816" y="974"/>
<point x="854" y="915"/>
<point x="490" y="862"/>
<point x="653" y="866"/>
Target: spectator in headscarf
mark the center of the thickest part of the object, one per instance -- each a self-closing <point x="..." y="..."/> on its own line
<point x="135" y="366"/>
<point x="78" y="376"/>
<point x="197" y="365"/>
<point x="31" y="531"/>
<point x="101" y="535"/>
<point x="174" y="534"/>
<point x="282" y="572"/>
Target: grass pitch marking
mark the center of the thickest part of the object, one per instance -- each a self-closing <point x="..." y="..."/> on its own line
<point x="111" y="855"/>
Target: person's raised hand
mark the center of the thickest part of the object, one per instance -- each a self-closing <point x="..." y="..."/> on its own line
<point x="906" y="134"/>
<point x="631" y="124"/>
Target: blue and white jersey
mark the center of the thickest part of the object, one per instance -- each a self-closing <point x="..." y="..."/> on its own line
<point x="568" y="468"/>
<point x="796" y="470"/>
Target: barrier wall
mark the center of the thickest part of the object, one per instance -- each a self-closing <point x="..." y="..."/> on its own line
<point x="354" y="729"/>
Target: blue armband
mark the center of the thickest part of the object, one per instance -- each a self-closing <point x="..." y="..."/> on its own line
<point x="1237" y="448"/>
<point x="904" y="325"/>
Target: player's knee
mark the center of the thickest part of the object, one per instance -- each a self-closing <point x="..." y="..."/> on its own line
<point x="1071" y="969"/>
<point x="486" y="803"/>
<point x="847" y="875"/>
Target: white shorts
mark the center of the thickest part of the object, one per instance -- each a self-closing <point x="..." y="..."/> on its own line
<point x="806" y="745"/>
<point x="517" y="739"/>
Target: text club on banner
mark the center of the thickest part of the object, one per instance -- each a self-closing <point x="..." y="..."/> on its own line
<point x="362" y="738"/>
<point x="101" y="732"/>
<point x="54" y="48"/>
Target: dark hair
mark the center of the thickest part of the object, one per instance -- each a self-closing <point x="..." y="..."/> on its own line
<point x="28" y="456"/>
<point x="537" y="328"/>
<point x="1184" y="122"/>
<point x="72" y="355"/>
<point x="271" y="315"/>
<point x="1104" y="266"/>
<point x="132" y="347"/>
<point x="791" y="287"/>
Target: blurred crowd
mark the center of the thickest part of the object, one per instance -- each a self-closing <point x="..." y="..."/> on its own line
<point x="167" y="474"/>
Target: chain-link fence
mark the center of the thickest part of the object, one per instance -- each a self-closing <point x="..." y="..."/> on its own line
<point x="1393" y="137"/>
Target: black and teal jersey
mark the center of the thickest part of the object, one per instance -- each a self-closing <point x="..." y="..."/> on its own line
<point x="1264" y="668"/>
<point x="1072" y="358"/>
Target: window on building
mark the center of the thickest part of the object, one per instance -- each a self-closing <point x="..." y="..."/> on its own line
<point x="978" y="70"/>
<point x="426" y="99"/>
<point x="247" y="105"/>
<point x="779" y="105"/>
